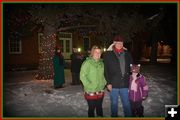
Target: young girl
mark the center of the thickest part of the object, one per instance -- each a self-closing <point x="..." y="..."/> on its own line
<point x="138" y="90"/>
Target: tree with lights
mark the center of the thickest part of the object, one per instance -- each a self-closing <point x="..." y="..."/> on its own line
<point x="60" y="17"/>
<point x="47" y="17"/>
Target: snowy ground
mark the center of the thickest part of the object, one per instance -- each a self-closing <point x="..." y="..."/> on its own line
<point x="24" y="96"/>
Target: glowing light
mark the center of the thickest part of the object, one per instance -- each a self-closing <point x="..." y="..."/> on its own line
<point x="104" y="49"/>
<point x="79" y="49"/>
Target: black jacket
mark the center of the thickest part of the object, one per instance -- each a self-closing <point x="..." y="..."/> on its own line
<point x="112" y="69"/>
<point x="76" y="62"/>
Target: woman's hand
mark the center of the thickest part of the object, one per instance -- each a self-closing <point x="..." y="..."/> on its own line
<point x="109" y="87"/>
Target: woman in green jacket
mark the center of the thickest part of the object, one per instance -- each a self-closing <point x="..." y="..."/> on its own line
<point x="92" y="78"/>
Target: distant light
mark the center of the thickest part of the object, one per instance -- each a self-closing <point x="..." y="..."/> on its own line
<point x="79" y="49"/>
<point x="104" y="49"/>
<point x="161" y="41"/>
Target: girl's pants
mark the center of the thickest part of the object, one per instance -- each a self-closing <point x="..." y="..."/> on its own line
<point x="137" y="109"/>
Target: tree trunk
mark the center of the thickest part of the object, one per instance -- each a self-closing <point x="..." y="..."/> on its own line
<point x="137" y="47"/>
<point x="156" y="34"/>
<point x="45" y="68"/>
<point x="153" y="55"/>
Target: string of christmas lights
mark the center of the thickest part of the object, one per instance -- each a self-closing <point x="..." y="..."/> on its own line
<point x="46" y="70"/>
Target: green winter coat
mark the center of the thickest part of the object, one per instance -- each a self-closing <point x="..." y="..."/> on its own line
<point x="59" y="78"/>
<point x="92" y="75"/>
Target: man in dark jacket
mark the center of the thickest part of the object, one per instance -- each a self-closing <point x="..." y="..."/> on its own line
<point x="117" y="71"/>
<point x="76" y="61"/>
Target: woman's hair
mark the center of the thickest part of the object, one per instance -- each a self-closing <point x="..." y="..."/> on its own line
<point x="93" y="48"/>
<point x="59" y="54"/>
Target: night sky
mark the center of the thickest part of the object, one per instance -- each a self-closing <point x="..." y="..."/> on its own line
<point x="168" y="24"/>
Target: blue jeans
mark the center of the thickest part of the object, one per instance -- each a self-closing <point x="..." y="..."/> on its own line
<point x="114" y="95"/>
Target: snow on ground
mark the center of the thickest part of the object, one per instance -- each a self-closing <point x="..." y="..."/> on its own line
<point x="24" y="96"/>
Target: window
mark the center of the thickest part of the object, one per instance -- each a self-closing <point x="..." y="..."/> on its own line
<point x="86" y="43"/>
<point x="65" y="35"/>
<point x="62" y="45"/>
<point x="68" y="46"/>
<point x="15" y="46"/>
<point x="40" y="35"/>
<point x="65" y="41"/>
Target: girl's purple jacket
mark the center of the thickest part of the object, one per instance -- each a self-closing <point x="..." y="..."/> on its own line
<point x="141" y="89"/>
